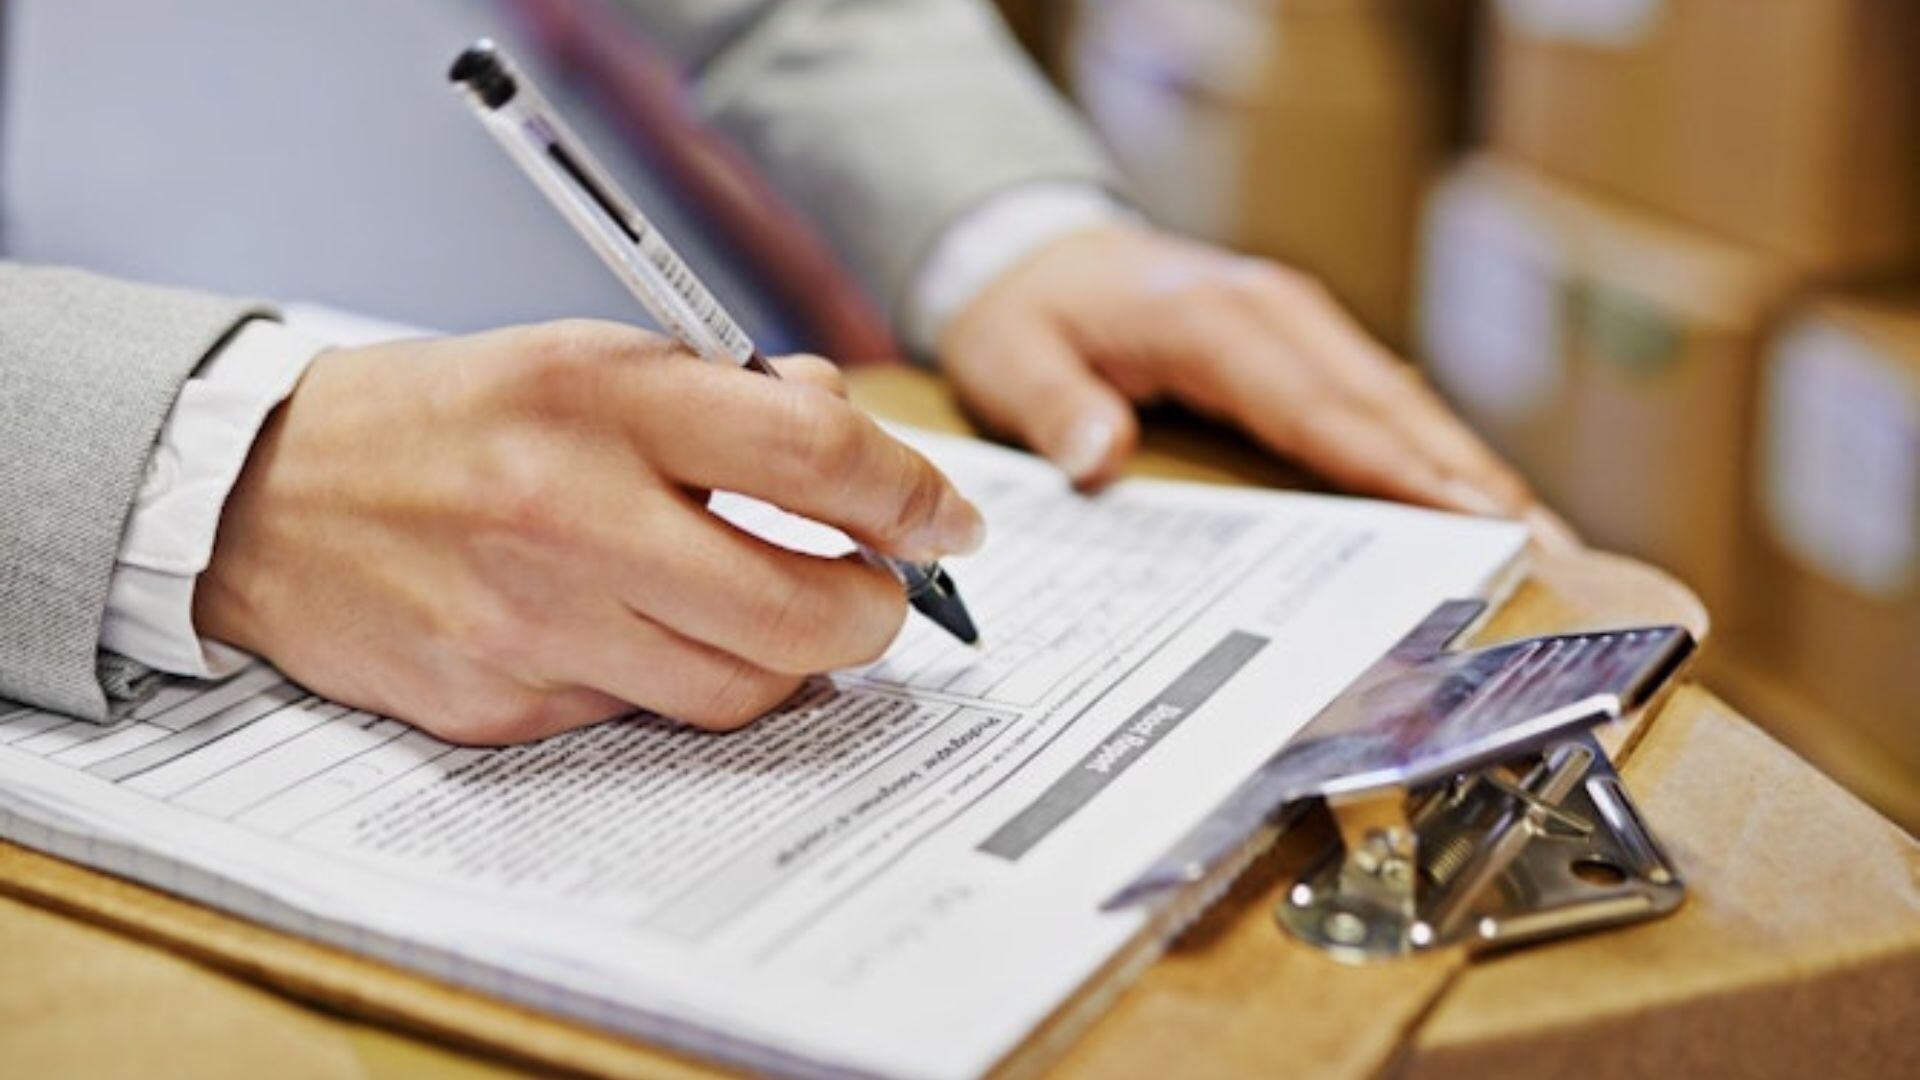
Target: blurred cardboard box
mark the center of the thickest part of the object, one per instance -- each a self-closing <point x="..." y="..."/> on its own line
<point x="1609" y="354"/>
<point x="1837" y="610"/>
<point x="1302" y="130"/>
<point x="1791" y="125"/>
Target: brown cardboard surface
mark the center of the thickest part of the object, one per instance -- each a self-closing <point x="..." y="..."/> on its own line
<point x="77" y="1000"/>
<point x="1797" y="953"/>
<point x="1301" y="130"/>
<point x="1851" y="647"/>
<point x="1824" y="738"/>
<point x="1787" y="124"/>
<point x="1235" y="997"/>
<point x="1643" y="336"/>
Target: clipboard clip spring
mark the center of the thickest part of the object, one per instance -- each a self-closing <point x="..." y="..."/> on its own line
<point x="1510" y="854"/>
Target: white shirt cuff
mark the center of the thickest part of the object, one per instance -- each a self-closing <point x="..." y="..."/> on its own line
<point x="169" y="537"/>
<point x="988" y="240"/>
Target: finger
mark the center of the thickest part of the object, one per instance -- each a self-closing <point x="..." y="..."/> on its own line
<point x="1551" y="531"/>
<point x="1474" y="471"/>
<point x="812" y="370"/>
<point x="636" y="661"/>
<point x="1264" y="383"/>
<point x="1359" y="454"/>
<point x="786" y="612"/>
<point x="1033" y="385"/>
<point x="803" y="451"/>
<point x="1475" y="480"/>
<point x="543" y="715"/>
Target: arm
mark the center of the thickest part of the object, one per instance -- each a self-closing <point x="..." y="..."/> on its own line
<point x="89" y="369"/>
<point x="887" y="120"/>
<point x="422" y="528"/>
<point x="918" y="137"/>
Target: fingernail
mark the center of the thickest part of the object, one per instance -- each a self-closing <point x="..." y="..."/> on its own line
<point x="1086" y="447"/>
<point x="960" y="528"/>
<point x="1551" y="532"/>
<point x="1468" y="499"/>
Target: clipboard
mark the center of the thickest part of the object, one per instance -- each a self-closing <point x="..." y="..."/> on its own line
<point x="1126" y="1019"/>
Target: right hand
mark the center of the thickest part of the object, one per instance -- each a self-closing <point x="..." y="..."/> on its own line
<point x="504" y="536"/>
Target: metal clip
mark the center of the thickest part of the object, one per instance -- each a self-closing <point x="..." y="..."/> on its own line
<point x="1486" y="860"/>
<point x="1443" y="838"/>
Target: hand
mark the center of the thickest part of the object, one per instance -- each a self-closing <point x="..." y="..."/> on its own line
<point x="503" y="536"/>
<point x="1057" y="350"/>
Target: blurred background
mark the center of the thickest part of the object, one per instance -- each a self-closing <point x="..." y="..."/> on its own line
<point x="1665" y="254"/>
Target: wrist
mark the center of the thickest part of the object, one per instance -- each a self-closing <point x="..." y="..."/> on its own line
<point x="225" y="598"/>
<point x="981" y="246"/>
<point x="168" y="539"/>
<point x="231" y="593"/>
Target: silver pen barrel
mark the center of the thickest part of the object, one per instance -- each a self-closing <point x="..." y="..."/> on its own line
<point x="526" y="126"/>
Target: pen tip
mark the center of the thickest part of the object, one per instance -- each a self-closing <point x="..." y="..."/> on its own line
<point x="943" y="605"/>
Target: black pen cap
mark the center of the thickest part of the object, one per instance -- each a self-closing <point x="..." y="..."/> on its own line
<point x="479" y="66"/>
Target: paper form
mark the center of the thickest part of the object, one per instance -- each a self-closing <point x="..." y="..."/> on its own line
<point x="898" y="872"/>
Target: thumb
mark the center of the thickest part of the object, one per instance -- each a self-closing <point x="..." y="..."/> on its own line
<point x="1036" y="387"/>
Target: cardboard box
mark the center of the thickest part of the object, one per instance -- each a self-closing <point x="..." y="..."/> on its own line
<point x="1791" y="125"/>
<point x="1302" y="130"/>
<point x="1797" y="952"/>
<point x="1837" y="497"/>
<point x="1610" y="355"/>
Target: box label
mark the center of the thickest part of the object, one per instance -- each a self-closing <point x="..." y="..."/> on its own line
<point x="1182" y="156"/>
<point x="1221" y="46"/>
<point x="1491" y="306"/>
<point x="1608" y="23"/>
<point x="1841" y="460"/>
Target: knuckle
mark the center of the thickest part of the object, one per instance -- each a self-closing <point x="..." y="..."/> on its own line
<point x="499" y="719"/>
<point x="820" y="371"/>
<point x="826" y="436"/>
<point x="559" y="364"/>
<point x="790" y="625"/>
<point x="1317" y="431"/>
<point x="1507" y="485"/>
<point x="552" y="351"/>
<point x="915" y="502"/>
<point x="487" y="634"/>
<point x="848" y="622"/>
<point x="737" y="695"/>
<point x="521" y="490"/>
<point x="1289" y="282"/>
<point x="575" y="341"/>
<point x="1251" y="292"/>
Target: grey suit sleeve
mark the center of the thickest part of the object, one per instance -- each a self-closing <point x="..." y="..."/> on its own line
<point x="883" y="119"/>
<point x="89" y="369"/>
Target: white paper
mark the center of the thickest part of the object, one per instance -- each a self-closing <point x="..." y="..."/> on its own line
<point x="860" y="881"/>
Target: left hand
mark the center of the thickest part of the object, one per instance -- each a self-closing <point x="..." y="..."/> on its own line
<point x="1059" y="348"/>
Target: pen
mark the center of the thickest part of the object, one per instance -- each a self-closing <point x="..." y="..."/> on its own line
<point x="519" y="117"/>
